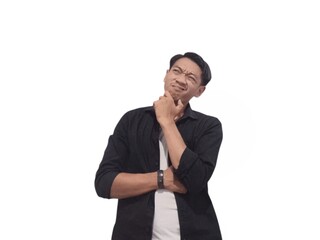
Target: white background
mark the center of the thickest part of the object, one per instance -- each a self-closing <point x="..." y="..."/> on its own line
<point x="70" y="69"/>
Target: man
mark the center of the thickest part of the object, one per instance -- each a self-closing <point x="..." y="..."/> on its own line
<point x="159" y="160"/>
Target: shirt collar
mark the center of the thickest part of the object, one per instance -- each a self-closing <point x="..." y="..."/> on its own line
<point x="188" y="112"/>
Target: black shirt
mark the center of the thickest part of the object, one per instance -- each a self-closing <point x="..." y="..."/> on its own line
<point x="134" y="148"/>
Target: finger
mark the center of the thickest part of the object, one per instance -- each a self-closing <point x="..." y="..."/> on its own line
<point x="167" y="94"/>
<point x="182" y="189"/>
<point x="180" y="104"/>
<point x="155" y="103"/>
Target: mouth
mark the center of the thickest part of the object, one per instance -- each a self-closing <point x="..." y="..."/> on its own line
<point x="178" y="88"/>
<point x="177" y="91"/>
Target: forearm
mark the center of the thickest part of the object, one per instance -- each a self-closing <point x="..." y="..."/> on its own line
<point x="175" y="142"/>
<point x="197" y="164"/>
<point x="127" y="185"/>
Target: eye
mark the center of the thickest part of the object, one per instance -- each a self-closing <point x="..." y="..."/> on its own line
<point x="192" y="79"/>
<point x="176" y="70"/>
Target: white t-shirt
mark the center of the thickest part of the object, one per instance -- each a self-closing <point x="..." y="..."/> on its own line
<point x="166" y="222"/>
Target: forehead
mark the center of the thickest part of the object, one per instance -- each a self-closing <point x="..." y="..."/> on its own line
<point x="188" y="65"/>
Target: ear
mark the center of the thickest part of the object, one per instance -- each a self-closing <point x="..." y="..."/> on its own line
<point x="200" y="90"/>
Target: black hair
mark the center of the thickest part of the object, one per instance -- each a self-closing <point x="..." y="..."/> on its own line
<point x="205" y="69"/>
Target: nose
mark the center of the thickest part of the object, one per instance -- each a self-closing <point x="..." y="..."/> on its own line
<point x="182" y="81"/>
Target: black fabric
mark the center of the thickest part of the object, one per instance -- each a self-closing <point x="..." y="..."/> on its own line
<point x="134" y="148"/>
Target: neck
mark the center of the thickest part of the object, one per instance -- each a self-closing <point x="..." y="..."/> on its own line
<point x="180" y="115"/>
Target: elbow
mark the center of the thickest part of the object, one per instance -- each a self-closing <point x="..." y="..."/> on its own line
<point x="101" y="189"/>
<point x="195" y="189"/>
<point x="196" y="184"/>
<point x="103" y="183"/>
<point x="103" y="186"/>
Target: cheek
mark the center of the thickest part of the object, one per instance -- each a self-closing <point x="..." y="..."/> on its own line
<point x="166" y="85"/>
<point x="166" y="80"/>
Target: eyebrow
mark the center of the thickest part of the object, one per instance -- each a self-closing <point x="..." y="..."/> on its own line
<point x="185" y="72"/>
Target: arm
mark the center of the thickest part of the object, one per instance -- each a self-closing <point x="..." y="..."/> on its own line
<point x="176" y="145"/>
<point x="127" y="185"/>
<point x="192" y="167"/>
<point x="197" y="164"/>
<point x="133" y="184"/>
<point x="112" y="180"/>
<point x="167" y="112"/>
<point x="113" y="161"/>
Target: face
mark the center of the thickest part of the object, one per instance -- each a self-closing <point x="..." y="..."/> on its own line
<point x="183" y="80"/>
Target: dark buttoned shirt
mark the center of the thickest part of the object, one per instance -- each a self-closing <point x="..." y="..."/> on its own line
<point x="134" y="148"/>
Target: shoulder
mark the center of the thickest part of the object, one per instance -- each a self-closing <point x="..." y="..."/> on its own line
<point x="132" y="119"/>
<point x="139" y="111"/>
<point x="205" y="118"/>
<point x="208" y="124"/>
<point x="137" y="114"/>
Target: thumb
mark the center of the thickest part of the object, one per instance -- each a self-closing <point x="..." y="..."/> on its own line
<point x="179" y="110"/>
<point x="180" y="105"/>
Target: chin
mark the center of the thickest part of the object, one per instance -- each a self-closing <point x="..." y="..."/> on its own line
<point x="175" y="97"/>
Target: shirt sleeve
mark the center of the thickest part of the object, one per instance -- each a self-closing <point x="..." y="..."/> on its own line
<point x="197" y="165"/>
<point x="112" y="161"/>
